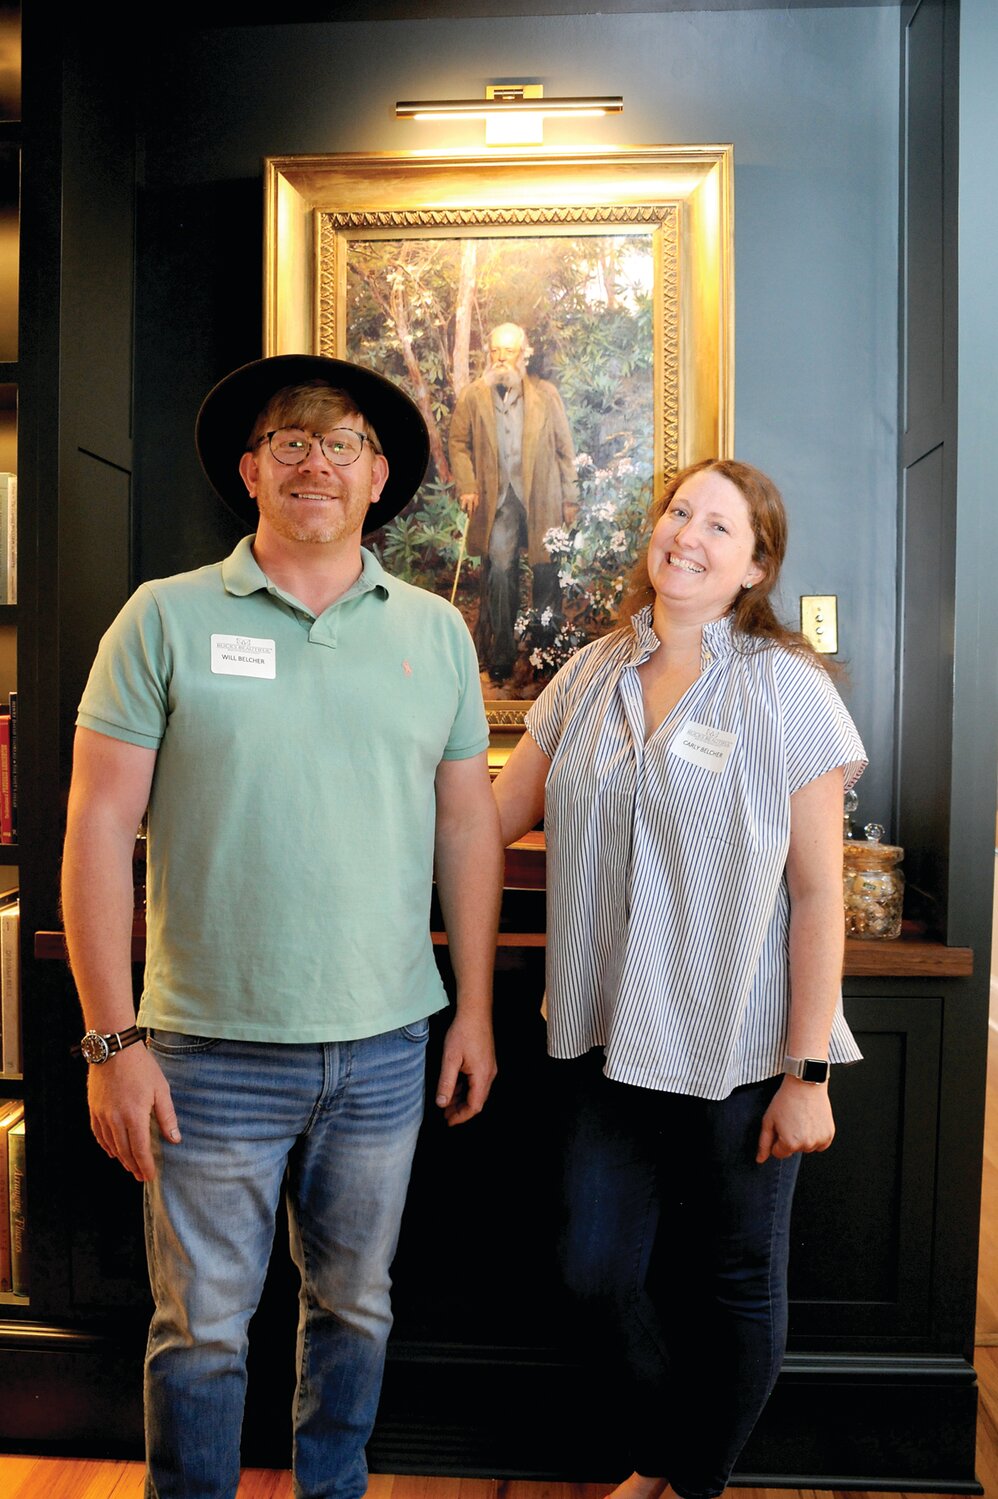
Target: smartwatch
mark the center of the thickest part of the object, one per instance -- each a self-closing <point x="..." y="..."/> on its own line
<point x="96" y="1048"/>
<point x="808" y="1069"/>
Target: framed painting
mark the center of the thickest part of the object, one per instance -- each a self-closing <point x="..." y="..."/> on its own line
<point x="564" y="323"/>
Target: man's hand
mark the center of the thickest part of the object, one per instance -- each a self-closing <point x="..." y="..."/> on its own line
<point x="468" y="503"/>
<point x="125" y="1093"/>
<point x="467" y="1069"/>
<point x="799" y="1120"/>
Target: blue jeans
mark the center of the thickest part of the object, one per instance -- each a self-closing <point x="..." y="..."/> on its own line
<point x="677" y="1243"/>
<point x="337" y="1121"/>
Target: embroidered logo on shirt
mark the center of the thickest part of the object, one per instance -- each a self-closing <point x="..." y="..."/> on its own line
<point x="407" y="668"/>
<point x="701" y="745"/>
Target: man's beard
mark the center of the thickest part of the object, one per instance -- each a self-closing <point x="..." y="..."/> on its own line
<point x="505" y="376"/>
<point x="315" y="524"/>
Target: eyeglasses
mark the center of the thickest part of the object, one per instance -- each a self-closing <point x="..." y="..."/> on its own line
<point x="342" y="446"/>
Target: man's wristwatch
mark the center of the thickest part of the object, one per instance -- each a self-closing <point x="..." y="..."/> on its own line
<point x="95" y="1048"/>
<point x="808" y="1069"/>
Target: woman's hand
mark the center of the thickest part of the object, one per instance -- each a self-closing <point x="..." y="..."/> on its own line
<point x="798" y="1120"/>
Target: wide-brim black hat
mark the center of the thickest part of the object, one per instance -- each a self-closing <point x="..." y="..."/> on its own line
<point x="229" y="410"/>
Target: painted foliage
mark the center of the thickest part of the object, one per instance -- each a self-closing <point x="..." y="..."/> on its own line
<point x="421" y="309"/>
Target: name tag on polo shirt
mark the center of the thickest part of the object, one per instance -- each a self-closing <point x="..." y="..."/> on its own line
<point x="701" y="745"/>
<point x="243" y="656"/>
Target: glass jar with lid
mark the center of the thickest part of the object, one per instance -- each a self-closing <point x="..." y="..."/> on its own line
<point x="873" y="885"/>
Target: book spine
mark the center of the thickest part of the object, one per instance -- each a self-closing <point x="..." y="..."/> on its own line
<point x="12" y="540"/>
<point x="4" y="539"/>
<point x="10" y="990"/>
<point x="7" y="1120"/>
<point x="9" y="1117"/>
<point x="6" y="783"/>
<point x="13" y="765"/>
<point x="6" y="1272"/>
<point x="16" y="1164"/>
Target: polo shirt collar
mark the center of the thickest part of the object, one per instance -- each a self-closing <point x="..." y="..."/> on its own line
<point x="243" y="575"/>
<point x="373" y="576"/>
<point x="716" y="638"/>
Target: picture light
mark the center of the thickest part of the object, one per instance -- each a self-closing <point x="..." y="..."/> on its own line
<point x="513" y="113"/>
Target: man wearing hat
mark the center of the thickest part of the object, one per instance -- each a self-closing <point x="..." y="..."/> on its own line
<point x="308" y="736"/>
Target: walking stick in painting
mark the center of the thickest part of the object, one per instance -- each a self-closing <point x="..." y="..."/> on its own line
<point x="460" y="557"/>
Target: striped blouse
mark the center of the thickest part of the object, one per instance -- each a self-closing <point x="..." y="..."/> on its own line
<point x="668" y="911"/>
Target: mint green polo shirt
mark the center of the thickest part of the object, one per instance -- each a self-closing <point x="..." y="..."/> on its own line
<point x="292" y="812"/>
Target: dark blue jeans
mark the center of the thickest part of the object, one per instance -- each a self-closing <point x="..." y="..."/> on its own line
<point x="677" y="1243"/>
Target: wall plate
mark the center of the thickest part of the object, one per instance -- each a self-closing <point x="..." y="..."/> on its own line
<point x="819" y="621"/>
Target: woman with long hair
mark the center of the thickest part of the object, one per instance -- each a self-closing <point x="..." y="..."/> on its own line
<point x="690" y="769"/>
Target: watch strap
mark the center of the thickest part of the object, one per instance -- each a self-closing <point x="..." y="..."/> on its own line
<point x="808" y="1069"/>
<point x="108" y="1042"/>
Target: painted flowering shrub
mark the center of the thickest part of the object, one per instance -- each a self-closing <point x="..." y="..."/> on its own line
<point x="594" y="559"/>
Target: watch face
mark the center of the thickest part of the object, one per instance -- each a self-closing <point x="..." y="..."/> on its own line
<point x="815" y="1072"/>
<point x="94" y="1048"/>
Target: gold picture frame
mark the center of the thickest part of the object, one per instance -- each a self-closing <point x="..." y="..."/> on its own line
<point x="680" y="197"/>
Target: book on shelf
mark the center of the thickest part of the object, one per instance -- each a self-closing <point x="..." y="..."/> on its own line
<point x="10" y="1113"/>
<point x="6" y="777"/>
<point x="12" y="699"/>
<point x="10" y="987"/>
<point x="8" y="538"/>
<point x="16" y="1177"/>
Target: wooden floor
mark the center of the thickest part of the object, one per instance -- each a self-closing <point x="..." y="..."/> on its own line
<point x="80" y="1478"/>
<point x="53" y="1478"/>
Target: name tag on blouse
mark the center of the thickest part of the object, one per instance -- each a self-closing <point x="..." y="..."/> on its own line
<point x="243" y="656"/>
<point x="701" y="745"/>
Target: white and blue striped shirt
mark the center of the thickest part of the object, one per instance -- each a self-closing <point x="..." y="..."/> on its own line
<point x="668" y="912"/>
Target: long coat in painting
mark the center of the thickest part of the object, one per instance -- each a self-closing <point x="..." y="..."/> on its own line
<point x="548" y="462"/>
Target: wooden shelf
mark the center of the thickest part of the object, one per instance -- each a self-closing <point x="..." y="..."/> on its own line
<point x="51" y="946"/>
<point x="525" y="863"/>
<point x="912" y="955"/>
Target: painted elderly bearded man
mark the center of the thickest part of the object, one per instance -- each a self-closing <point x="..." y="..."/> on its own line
<point x="514" y="467"/>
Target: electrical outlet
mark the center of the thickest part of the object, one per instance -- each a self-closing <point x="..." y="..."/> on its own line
<point x="819" y="621"/>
